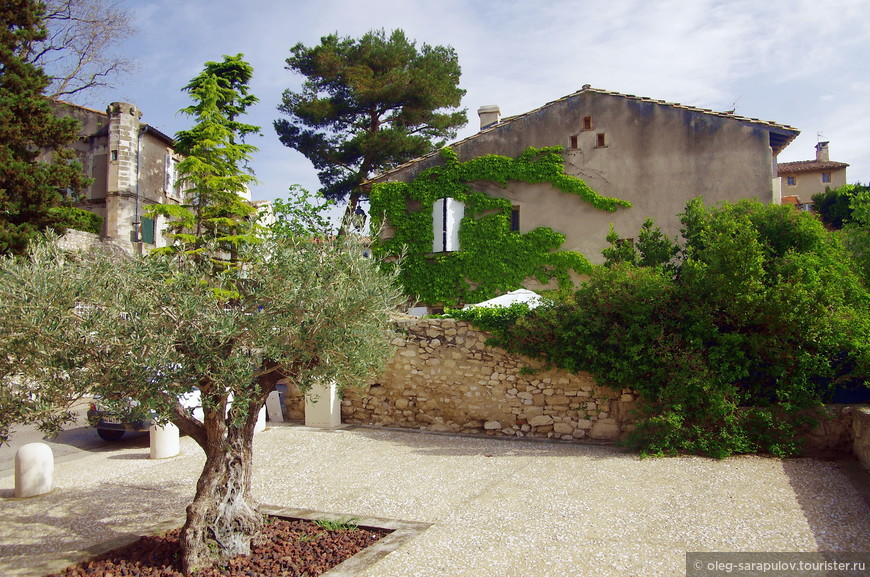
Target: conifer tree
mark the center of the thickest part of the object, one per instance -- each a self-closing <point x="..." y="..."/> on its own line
<point x="216" y="219"/>
<point x="369" y="104"/>
<point x="36" y="168"/>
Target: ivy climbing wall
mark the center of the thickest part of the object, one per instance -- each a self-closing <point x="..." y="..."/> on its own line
<point x="492" y="258"/>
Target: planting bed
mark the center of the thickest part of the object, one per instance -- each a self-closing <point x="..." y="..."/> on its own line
<point x="287" y="548"/>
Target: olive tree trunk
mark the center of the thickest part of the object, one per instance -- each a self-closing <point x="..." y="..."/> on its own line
<point x="223" y="517"/>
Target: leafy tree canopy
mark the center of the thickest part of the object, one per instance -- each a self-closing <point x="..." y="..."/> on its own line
<point x="857" y="231"/>
<point x="369" y="104"/>
<point x="833" y="205"/>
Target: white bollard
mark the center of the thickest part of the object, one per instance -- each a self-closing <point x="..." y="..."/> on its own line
<point x="261" y="421"/>
<point x="322" y="406"/>
<point x="273" y="407"/>
<point x="34" y="470"/>
<point x="164" y="441"/>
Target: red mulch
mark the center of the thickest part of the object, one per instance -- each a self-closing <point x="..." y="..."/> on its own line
<point x="286" y="548"/>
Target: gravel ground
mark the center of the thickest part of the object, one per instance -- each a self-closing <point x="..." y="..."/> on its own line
<point x="496" y="507"/>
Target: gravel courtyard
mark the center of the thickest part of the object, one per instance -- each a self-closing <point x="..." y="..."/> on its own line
<point x="496" y="507"/>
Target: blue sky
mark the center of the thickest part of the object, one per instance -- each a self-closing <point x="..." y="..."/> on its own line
<point x="805" y="63"/>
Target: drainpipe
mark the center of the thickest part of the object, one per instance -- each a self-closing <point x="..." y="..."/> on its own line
<point x="137" y="223"/>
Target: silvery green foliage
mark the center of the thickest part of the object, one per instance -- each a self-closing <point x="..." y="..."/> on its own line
<point x="77" y="324"/>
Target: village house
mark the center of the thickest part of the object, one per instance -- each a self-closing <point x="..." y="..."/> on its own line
<point x="132" y="165"/>
<point x="657" y="155"/>
<point x="802" y="179"/>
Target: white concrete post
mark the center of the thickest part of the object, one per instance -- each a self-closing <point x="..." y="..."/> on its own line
<point x="164" y="441"/>
<point x="273" y="407"/>
<point x="261" y="420"/>
<point x="322" y="406"/>
<point x="34" y="470"/>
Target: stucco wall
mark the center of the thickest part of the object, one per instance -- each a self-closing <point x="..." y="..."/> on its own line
<point x="656" y="156"/>
<point x="809" y="183"/>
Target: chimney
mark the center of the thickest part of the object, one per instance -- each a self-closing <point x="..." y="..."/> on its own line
<point x="488" y="115"/>
<point x="822" y="152"/>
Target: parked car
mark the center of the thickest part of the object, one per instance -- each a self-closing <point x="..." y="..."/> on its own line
<point x="112" y="425"/>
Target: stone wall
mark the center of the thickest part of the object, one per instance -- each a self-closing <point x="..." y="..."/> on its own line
<point x="861" y="435"/>
<point x="445" y="378"/>
<point x="81" y="240"/>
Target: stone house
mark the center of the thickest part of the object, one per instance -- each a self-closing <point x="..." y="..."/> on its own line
<point x="132" y="165"/>
<point x="655" y="154"/>
<point x="802" y="179"/>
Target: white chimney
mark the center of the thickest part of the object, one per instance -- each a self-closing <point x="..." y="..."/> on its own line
<point x="488" y="115"/>
<point x="822" y="154"/>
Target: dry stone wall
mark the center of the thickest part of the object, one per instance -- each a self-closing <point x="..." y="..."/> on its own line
<point x="444" y="377"/>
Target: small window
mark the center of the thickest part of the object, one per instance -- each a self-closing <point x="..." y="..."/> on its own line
<point x="826" y="177"/>
<point x="790" y="180"/>
<point x="114" y="155"/>
<point x="515" y="219"/>
<point x="587" y="123"/>
<point x="600" y="140"/>
<point x="169" y="174"/>
<point x="574" y="141"/>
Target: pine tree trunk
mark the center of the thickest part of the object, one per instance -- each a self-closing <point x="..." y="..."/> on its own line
<point x="223" y="516"/>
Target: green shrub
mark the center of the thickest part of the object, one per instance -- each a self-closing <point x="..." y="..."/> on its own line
<point x="77" y="218"/>
<point x="756" y="320"/>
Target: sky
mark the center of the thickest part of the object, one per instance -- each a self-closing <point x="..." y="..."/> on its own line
<point x="804" y="63"/>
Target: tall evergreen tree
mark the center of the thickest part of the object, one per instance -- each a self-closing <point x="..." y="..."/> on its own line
<point x="368" y="105"/>
<point x="214" y="172"/>
<point x="35" y="165"/>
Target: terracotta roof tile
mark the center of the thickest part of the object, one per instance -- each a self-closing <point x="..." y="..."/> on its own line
<point x="786" y="168"/>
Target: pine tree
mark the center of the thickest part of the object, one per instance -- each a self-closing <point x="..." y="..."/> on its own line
<point x="369" y="105"/>
<point x="36" y="168"/>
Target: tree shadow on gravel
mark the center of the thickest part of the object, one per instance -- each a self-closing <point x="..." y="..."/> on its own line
<point x="49" y="532"/>
<point x="834" y="496"/>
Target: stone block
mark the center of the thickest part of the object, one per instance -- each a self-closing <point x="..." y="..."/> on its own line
<point x="492" y="425"/>
<point x="861" y="435"/>
<point x="563" y="428"/>
<point x="541" y="420"/>
<point x="605" y="430"/>
<point x="557" y="399"/>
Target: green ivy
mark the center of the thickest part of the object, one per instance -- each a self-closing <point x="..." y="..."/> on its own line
<point x="492" y="260"/>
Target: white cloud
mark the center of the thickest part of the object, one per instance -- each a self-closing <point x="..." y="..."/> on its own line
<point x="791" y="61"/>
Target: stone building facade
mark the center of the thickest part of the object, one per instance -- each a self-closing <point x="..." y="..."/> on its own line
<point x="132" y="165"/>
<point x="655" y="154"/>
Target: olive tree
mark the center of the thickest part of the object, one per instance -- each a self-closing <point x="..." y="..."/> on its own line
<point x="154" y="329"/>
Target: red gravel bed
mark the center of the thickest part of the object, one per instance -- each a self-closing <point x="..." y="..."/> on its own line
<point x="286" y="548"/>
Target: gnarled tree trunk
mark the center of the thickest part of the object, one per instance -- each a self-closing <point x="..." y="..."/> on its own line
<point x="223" y="516"/>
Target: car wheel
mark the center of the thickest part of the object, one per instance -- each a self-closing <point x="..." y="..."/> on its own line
<point x="110" y="434"/>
